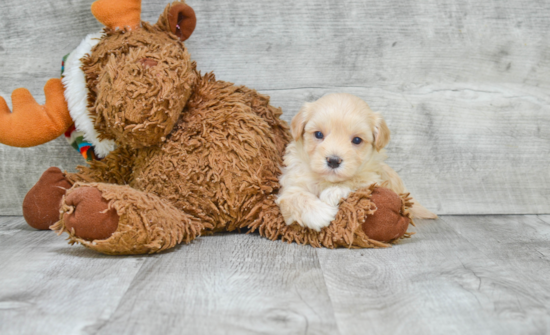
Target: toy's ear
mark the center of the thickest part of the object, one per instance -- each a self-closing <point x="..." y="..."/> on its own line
<point x="179" y="19"/>
<point x="381" y="133"/>
<point x="298" y="122"/>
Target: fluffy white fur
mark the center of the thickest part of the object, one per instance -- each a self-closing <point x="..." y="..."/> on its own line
<point x="76" y="95"/>
<point x="311" y="189"/>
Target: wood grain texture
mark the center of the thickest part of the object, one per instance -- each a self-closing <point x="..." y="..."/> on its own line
<point x="458" y="275"/>
<point x="48" y="287"/>
<point x="463" y="84"/>
<point x="227" y="284"/>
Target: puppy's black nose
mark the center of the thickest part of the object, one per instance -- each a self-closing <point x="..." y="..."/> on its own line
<point x="334" y="161"/>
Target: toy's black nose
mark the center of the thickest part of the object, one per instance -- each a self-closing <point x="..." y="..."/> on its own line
<point x="334" y="162"/>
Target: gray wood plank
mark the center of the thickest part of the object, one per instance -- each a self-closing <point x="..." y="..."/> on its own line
<point x="462" y="83"/>
<point x="443" y="282"/>
<point x="544" y="248"/>
<point x="522" y="243"/>
<point x="49" y="287"/>
<point x="227" y="284"/>
<point x="459" y="274"/>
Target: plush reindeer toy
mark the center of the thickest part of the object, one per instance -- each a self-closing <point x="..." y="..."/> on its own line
<point x="181" y="153"/>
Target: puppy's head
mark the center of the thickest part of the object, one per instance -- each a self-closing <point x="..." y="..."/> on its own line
<point x="339" y="133"/>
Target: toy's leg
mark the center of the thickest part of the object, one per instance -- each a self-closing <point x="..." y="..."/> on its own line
<point x="118" y="220"/>
<point x="348" y="230"/>
<point x="42" y="202"/>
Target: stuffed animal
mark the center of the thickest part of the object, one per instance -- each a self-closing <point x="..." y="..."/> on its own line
<point x="184" y="154"/>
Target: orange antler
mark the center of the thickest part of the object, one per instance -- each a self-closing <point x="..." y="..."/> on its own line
<point x="118" y="14"/>
<point x="32" y="124"/>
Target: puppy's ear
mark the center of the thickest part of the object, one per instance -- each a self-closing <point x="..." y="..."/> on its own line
<point x="298" y="123"/>
<point x="381" y="133"/>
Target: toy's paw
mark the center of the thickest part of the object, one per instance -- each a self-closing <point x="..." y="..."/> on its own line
<point x="88" y="215"/>
<point x="332" y="195"/>
<point x="43" y="201"/>
<point x="388" y="223"/>
<point x="319" y="215"/>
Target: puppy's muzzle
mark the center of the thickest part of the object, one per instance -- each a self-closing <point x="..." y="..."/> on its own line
<point x="334" y="162"/>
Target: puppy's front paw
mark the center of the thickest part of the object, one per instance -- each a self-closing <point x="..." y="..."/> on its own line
<point x="320" y="215"/>
<point x="333" y="195"/>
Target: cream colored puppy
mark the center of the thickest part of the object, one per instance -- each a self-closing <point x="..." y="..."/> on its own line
<point x="337" y="149"/>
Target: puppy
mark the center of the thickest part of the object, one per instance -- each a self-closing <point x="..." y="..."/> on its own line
<point x="337" y="149"/>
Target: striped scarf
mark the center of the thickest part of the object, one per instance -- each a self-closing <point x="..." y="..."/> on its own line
<point x="76" y="137"/>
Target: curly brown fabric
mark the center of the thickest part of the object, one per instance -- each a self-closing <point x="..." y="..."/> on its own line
<point x="147" y="223"/>
<point x="220" y="160"/>
<point x="345" y="231"/>
<point x="131" y="102"/>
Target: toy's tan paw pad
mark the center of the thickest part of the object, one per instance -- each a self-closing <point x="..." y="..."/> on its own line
<point x="42" y="202"/>
<point x="89" y="216"/>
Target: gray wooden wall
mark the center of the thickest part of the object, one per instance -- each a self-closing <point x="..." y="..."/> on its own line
<point x="464" y="85"/>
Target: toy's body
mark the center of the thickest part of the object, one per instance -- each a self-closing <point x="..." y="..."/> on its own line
<point x="221" y="160"/>
<point x="184" y="154"/>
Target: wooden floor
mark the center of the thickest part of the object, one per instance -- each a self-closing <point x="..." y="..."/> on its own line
<point x="457" y="275"/>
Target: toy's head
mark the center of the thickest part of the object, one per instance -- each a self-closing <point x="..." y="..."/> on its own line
<point x="139" y="76"/>
<point x="127" y="85"/>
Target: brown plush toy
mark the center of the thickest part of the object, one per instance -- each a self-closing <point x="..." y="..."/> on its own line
<point x="184" y="153"/>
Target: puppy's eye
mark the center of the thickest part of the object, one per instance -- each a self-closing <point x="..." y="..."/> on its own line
<point x="357" y="140"/>
<point x="318" y="135"/>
